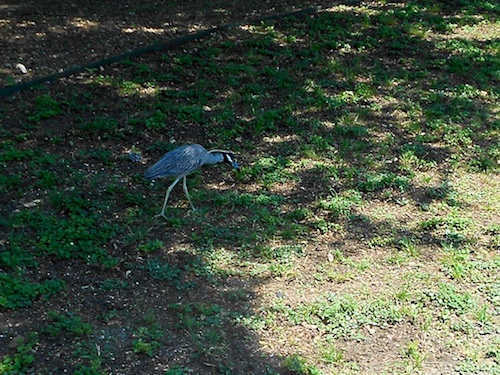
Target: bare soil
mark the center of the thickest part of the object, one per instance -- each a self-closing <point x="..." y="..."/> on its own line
<point x="38" y="39"/>
<point x="49" y="37"/>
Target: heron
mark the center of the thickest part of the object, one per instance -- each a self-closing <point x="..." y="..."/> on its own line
<point x="183" y="161"/>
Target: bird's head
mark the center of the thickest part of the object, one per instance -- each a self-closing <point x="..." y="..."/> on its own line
<point x="231" y="159"/>
<point x="227" y="157"/>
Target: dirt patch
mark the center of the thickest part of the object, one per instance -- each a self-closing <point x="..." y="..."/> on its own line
<point x="178" y="300"/>
<point x="42" y="39"/>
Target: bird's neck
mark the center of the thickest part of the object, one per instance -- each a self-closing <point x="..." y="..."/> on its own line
<point x="214" y="158"/>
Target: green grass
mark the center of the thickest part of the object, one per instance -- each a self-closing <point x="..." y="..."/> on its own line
<point x="147" y="335"/>
<point x="366" y="203"/>
<point x="67" y="324"/>
<point x="298" y="365"/>
<point x="45" y="107"/>
<point x="343" y="316"/>
<point x="414" y="355"/>
<point x="100" y="126"/>
<point x="19" y="292"/>
<point x="22" y="358"/>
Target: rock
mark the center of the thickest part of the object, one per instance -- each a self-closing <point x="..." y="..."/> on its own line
<point x="22" y="68"/>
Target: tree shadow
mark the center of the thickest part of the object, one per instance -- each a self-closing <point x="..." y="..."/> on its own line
<point x="181" y="285"/>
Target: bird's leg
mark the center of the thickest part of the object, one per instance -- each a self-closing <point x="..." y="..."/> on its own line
<point x="169" y="190"/>
<point x="187" y="193"/>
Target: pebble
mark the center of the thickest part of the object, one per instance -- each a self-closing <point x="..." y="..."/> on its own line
<point x="15" y="342"/>
<point x="22" y="68"/>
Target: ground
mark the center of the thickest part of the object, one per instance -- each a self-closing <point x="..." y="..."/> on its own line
<point x="360" y="236"/>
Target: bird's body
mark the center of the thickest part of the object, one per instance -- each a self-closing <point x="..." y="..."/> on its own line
<point x="183" y="161"/>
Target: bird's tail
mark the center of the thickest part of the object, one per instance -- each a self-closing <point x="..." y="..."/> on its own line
<point x="153" y="172"/>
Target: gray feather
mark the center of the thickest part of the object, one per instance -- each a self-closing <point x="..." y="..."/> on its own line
<point x="179" y="162"/>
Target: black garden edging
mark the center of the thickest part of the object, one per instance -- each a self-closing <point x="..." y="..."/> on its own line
<point x="7" y="91"/>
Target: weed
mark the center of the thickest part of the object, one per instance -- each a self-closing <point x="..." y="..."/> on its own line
<point x="483" y="316"/>
<point x="20" y="361"/>
<point x="202" y="322"/>
<point x="456" y="260"/>
<point x="343" y="316"/>
<point x="166" y="272"/>
<point x="9" y="152"/>
<point x="408" y="246"/>
<point x="414" y="354"/>
<point x="67" y="324"/>
<point x="372" y="182"/>
<point x="47" y="179"/>
<point x="413" y="157"/>
<point x="156" y="121"/>
<point x="76" y="237"/>
<point x="444" y="191"/>
<point x="16" y="257"/>
<point x="340" y="206"/>
<point x="91" y="356"/>
<point x="100" y="154"/>
<point x="269" y="170"/>
<point x="450" y="299"/>
<point x="299" y="365"/>
<point x="331" y="354"/>
<point x="112" y="284"/>
<point x="147" y="335"/>
<point x="100" y="126"/>
<point x="177" y="370"/>
<point x="45" y="107"/>
<point x="146" y="340"/>
<point x="324" y="226"/>
<point x="472" y="366"/>
<point x="127" y="88"/>
<point x="151" y="246"/>
<point x="8" y="183"/>
<point x="88" y="370"/>
<point x="280" y="253"/>
<point x="256" y="321"/>
<point x="18" y="292"/>
<point x="453" y="226"/>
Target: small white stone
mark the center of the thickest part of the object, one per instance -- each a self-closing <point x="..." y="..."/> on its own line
<point x="32" y="204"/>
<point x="22" y="68"/>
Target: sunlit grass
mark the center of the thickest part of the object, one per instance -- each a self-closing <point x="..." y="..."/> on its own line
<point x="366" y="202"/>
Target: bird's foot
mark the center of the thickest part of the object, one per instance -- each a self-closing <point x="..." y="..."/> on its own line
<point x="162" y="214"/>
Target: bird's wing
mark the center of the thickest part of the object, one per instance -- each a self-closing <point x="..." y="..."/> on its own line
<point x="178" y="162"/>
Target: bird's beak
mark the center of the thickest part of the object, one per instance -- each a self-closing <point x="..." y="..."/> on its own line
<point x="235" y="165"/>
